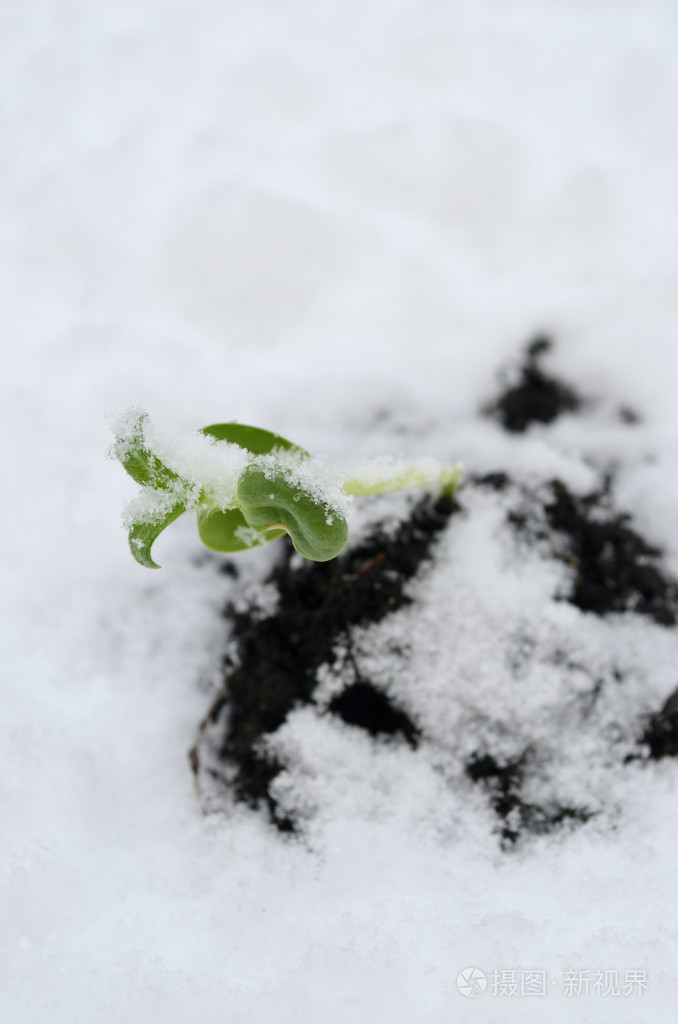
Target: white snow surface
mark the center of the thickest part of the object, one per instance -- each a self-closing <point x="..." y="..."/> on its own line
<point x="337" y="221"/>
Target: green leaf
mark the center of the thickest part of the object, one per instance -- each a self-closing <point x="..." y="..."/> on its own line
<point x="252" y="439"/>
<point x="140" y="462"/>
<point x="275" y="503"/>
<point x="143" y="535"/>
<point x="217" y="530"/>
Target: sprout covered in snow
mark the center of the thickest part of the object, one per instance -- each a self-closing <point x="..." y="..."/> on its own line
<point x="249" y="486"/>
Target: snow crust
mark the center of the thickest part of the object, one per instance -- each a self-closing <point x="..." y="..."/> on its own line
<point x="335" y="221"/>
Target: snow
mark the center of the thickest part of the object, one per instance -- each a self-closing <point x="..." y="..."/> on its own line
<point x="337" y="222"/>
<point x="201" y="463"/>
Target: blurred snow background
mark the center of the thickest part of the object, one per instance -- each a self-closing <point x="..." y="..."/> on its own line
<point x="300" y="215"/>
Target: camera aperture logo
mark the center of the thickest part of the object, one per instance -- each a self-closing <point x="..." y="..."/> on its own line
<point x="471" y="982"/>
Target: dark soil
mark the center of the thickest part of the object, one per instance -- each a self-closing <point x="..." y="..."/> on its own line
<point x="616" y="570"/>
<point x="503" y="783"/>
<point x="363" y="706"/>
<point x="277" y="657"/>
<point x="661" y="734"/>
<point x="535" y="396"/>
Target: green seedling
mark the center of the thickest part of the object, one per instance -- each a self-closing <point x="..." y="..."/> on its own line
<point x="249" y="486"/>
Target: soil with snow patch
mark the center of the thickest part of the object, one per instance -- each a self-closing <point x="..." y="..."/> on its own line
<point x="278" y="656"/>
<point x="273" y="668"/>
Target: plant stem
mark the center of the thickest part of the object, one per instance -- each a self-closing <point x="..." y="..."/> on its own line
<point x="387" y="477"/>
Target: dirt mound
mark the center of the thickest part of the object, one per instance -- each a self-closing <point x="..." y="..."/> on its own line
<point x="276" y="656"/>
<point x="531" y="395"/>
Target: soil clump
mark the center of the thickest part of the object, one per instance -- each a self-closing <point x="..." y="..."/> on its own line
<point x="535" y="396"/>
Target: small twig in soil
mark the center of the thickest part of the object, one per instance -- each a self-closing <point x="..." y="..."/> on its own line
<point x="372" y="564"/>
<point x="209" y="719"/>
